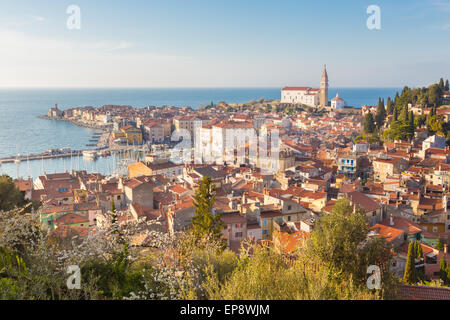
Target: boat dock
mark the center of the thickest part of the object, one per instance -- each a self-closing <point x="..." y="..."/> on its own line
<point x="73" y="153"/>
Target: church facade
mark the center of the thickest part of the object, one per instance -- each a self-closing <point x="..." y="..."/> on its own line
<point x="308" y="96"/>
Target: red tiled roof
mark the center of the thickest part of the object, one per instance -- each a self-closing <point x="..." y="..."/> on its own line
<point x="408" y="292"/>
<point x="387" y="232"/>
<point x="71" y="218"/>
<point x="403" y="224"/>
<point x="296" y="88"/>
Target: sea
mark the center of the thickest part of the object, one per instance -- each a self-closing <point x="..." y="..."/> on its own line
<point x="22" y="132"/>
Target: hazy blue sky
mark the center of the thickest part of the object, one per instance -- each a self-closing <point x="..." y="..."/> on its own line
<point x="222" y="43"/>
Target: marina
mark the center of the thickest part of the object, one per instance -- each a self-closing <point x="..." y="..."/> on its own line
<point x="107" y="162"/>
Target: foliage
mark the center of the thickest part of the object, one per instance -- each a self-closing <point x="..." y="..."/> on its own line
<point x="204" y="222"/>
<point x="381" y="113"/>
<point x="404" y="123"/>
<point x="409" y="276"/>
<point x="369" y="123"/>
<point x="439" y="245"/>
<point x="269" y="275"/>
<point x="342" y="237"/>
<point x="444" y="272"/>
<point x="184" y="266"/>
<point x="10" y="195"/>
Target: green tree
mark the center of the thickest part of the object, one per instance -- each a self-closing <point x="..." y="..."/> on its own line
<point x="204" y="222"/>
<point x="113" y="211"/>
<point x="435" y="125"/>
<point x="420" y="120"/>
<point x="443" y="270"/>
<point x="419" y="251"/>
<point x="341" y="237"/>
<point x="389" y="106"/>
<point x="412" y="124"/>
<point x="434" y="95"/>
<point x="410" y="269"/>
<point x="441" y="84"/>
<point x="439" y="245"/>
<point x="10" y="195"/>
<point x="381" y="114"/>
<point x="369" y="123"/>
<point x="395" y="116"/>
<point x="404" y="117"/>
<point x="446" y="87"/>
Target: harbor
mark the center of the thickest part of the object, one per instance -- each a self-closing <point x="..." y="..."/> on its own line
<point x="104" y="161"/>
<point x="100" y="152"/>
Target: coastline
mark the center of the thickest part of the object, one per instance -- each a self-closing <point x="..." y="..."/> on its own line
<point x="77" y="123"/>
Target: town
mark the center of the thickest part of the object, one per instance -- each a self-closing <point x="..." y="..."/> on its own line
<point x="389" y="162"/>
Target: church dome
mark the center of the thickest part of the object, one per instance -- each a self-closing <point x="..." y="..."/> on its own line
<point x="337" y="98"/>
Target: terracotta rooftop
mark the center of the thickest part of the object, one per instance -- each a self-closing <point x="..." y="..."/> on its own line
<point x="408" y="292"/>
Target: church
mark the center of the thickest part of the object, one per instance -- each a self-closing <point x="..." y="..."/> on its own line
<point x="306" y="95"/>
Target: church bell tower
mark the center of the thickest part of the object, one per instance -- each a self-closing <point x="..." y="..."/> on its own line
<point x="324" y="88"/>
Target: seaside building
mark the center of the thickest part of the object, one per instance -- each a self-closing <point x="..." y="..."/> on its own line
<point x="133" y="135"/>
<point x="55" y="112"/>
<point x="312" y="97"/>
<point x="337" y="102"/>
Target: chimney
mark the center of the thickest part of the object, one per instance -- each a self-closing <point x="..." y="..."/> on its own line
<point x="391" y="218"/>
<point x="445" y="249"/>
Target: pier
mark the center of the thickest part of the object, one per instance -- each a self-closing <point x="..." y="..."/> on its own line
<point x="73" y="153"/>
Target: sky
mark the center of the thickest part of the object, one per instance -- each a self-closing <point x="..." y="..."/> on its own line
<point x="222" y="43"/>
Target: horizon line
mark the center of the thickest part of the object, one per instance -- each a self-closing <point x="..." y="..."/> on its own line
<point x="205" y="87"/>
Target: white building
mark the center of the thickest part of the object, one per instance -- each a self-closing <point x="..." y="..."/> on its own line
<point x="306" y="95"/>
<point x="361" y="148"/>
<point x="337" y="102"/>
<point x="435" y="141"/>
<point x="300" y="95"/>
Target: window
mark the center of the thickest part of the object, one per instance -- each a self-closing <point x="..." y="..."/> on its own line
<point x="238" y="235"/>
<point x="289" y="207"/>
<point x="265" y="232"/>
<point x="238" y="225"/>
<point x="435" y="229"/>
<point x="289" y="218"/>
<point x="266" y="222"/>
<point x="374" y="214"/>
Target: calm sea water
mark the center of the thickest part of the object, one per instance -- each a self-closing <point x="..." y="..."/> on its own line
<point x="21" y="132"/>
